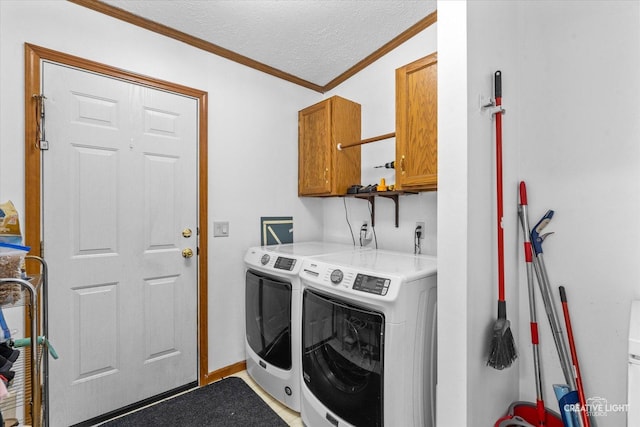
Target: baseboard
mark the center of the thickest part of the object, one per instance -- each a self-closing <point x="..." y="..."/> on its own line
<point x="218" y="374"/>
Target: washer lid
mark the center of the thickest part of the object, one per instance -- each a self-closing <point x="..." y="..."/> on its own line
<point x="309" y="248"/>
<point x="383" y="262"/>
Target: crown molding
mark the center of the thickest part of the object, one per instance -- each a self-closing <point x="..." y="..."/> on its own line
<point x="164" y="30"/>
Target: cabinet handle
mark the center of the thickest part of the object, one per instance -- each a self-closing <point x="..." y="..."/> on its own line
<point x="402" y="165"/>
<point x="326" y="172"/>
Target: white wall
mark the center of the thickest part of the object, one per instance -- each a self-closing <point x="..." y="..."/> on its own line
<point x="252" y="137"/>
<point x="453" y="394"/>
<point x="491" y="47"/>
<point x="571" y="89"/>
<point x="580" y="154"/>
<point x="374" y="89"/>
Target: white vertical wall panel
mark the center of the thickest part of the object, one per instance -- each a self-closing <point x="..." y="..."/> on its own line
<point x="95" y="110"/>
<point x="160" y="190"/>
<point x="96" y="197"/>
<point x="161" y="123"/>
<point x="95" y="314"/>
<point x="160" y="317"/>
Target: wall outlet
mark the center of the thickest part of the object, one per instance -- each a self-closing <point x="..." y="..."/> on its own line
<point x="422" y="229"/>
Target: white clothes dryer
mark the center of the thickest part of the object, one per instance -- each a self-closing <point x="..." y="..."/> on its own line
<point x="369" y="339"/>
<point x="272" y="315"/>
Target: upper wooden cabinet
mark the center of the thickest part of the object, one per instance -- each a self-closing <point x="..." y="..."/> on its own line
<point x="323" y="170"/>
<point x="417" y="125"/>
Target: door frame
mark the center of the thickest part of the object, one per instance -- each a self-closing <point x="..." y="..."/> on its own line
<point x="34" y="56"/>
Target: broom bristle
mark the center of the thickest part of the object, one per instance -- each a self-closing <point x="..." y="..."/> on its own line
<point x="503" y="349"/>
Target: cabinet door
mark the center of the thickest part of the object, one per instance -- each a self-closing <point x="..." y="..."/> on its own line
<point x="346" y="123"/>
<point x="314" y="160"/>
<point x="417" y="125"/>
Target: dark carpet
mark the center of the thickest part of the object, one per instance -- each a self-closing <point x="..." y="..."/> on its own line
<point x="227" y="403"/>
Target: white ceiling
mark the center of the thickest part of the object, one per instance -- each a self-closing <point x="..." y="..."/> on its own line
<point x="315" y="40"/>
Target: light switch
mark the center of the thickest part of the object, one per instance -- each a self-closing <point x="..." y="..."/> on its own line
<point x="221" y="229"/>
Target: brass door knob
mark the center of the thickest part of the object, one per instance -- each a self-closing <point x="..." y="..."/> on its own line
<point x="187" y="253"/>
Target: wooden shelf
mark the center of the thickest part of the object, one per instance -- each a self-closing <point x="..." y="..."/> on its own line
<point x="371" y="197"/>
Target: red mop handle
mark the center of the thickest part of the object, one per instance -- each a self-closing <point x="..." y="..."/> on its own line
<point x="574" y="358"/>
<point x="498" y="96"/>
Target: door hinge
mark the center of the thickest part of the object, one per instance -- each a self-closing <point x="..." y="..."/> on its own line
<point x="41" y="140"/>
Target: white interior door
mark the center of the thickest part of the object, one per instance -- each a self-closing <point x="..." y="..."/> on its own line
<point x="119" y="187"/>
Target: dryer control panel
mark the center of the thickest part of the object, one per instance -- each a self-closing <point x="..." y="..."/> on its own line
<point x="284" y="263"/>
<point x="272" y="263"/>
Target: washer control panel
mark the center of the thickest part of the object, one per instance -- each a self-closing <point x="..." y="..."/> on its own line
<point x="349" y="281"/>
<point x="371" y="284"/>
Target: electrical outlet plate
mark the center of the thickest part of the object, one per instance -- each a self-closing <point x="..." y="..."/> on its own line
<point x="221" y="229"/>
<point x="421" y="224"/>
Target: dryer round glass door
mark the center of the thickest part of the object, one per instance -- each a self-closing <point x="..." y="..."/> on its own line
<point x="268" y="319"/>
<point x="342" y="357"/>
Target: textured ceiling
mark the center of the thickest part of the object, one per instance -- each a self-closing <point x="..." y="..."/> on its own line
<point x="315" y="40"/>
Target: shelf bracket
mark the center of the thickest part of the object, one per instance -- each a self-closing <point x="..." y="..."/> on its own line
<point x="372" y="203"/>
<point x="371" y="198"/>
<point x="393" y="197"/>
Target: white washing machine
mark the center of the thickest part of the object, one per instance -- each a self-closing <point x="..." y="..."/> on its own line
<point x="369" y="339"/>
<point x="272" y="315"/>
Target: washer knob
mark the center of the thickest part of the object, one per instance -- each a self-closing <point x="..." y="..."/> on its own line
<point x="336" y="276"/>
<point x="265" y="259"/>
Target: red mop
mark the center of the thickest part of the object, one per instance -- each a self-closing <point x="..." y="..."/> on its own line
<point x="574" y="358"/>
<point x="502" y="350"/>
